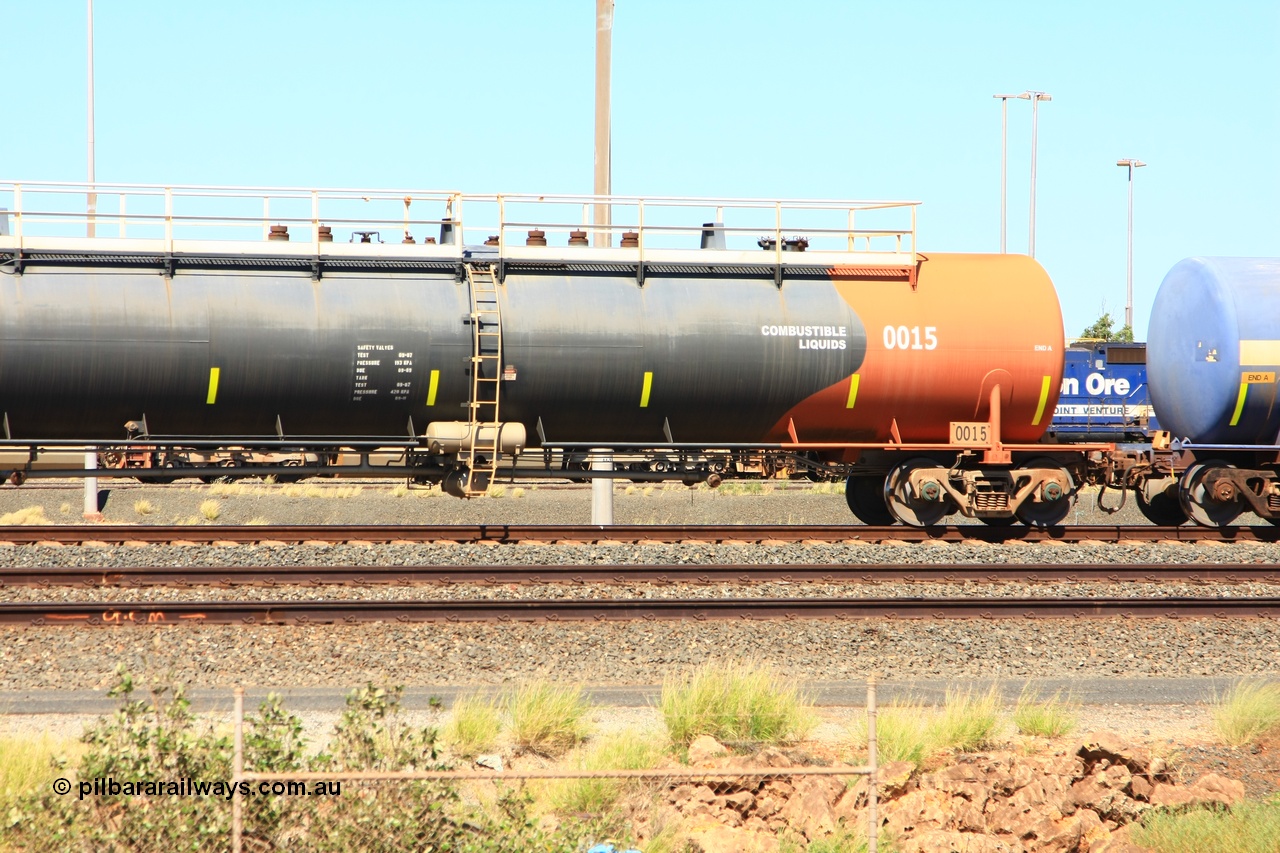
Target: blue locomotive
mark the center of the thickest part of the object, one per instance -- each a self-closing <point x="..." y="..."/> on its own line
<point x="1104" y="395"/>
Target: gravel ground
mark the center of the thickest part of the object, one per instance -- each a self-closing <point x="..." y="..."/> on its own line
<point x="634" y="653"/>
<point x="373" y="502"/>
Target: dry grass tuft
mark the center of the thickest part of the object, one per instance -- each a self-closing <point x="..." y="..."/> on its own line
<point x="902" y="733"/>
<point x="967" y="721"/>
<point x="211" y="510"/>
<point x="25" y="516"/>
<point x="474" y="725"/>
<point x="143" y="507"/>
<point x="400" y="490"/>
<point x="27" y="763"/>
<point x="628" y="750"/>
<point x="742" y="701"/>
<point x="1048" y="717"/>
<point x="1250" y="827"/>
<point x="912" y="731"/>
<point x="547" y="719"/>
<point x="1248" y="711"/>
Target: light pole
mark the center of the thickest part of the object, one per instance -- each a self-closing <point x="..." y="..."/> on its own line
<point x="1128" y="289"/>
<point x="1036" y="98"/>
<point x="93" y="196"/>
<point x="604" y="49"/>
<point x="1004" y="157"/>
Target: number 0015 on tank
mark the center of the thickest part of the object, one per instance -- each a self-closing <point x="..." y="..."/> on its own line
<point x="970" y="434"/>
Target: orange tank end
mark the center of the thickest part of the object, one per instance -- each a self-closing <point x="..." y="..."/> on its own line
<point x="937" y="347"/>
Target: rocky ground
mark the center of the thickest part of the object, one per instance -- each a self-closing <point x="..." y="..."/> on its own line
<point x="1081" y="794"/>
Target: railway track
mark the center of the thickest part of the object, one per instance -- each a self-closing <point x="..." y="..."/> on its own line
<point x="232" y="576"/>
<point x="614" y="610"/>
<point x="98" y="534"/>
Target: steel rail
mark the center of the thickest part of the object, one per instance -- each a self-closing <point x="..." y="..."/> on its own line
<point x="233" y="576"/>
<point x="615" y="610"/>
<point x="624" y="533"/>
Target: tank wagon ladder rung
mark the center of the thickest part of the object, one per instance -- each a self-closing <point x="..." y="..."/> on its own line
<point x="486" y="376"/>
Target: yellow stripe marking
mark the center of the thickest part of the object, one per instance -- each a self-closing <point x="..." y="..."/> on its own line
<point x="1244" y="390"/>
<point x="644" y="392"/>
<point x="1044" y="398"/>
<point x="214" y="372"/>
<point x="853" y="391"/>
<point x="433" y="387"/>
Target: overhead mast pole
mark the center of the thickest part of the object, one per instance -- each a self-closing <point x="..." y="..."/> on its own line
<point x="604" y="40"/>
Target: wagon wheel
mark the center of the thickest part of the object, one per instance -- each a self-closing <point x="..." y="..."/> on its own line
<point x="865" y="497"/>
<point x="917" y="510"/>
<point x="1048" y="513"/>
<point x="1199" y="504"/>
<point x="1158" y="502"/>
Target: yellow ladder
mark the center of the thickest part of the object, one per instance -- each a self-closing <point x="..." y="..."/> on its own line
<point x="481" y="454"/>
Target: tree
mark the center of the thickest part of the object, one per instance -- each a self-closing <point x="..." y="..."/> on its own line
<point x="1102" y="330"/>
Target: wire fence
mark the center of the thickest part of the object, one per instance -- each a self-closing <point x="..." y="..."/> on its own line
<point x="410" y="809"/>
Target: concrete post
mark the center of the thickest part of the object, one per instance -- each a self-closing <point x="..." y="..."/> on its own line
<point x="91" y="486"/>
<point x="601" y="488"/>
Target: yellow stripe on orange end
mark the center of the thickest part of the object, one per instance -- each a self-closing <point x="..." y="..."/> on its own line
<point x="433" y="387"/>
<point x="644" y="392"/>
<point x="214" y="373"/>
<point x="1044" y="398"/>
<point x="853" y="391"/>
<point x="1244" y="391"/>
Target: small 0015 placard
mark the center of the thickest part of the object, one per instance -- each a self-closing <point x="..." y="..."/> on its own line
<point x="970" y="433"/>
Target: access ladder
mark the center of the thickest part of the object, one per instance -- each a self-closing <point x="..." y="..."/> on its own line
<point x="480" y="454"/>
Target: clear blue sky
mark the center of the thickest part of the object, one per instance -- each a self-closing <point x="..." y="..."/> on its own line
<point x="728" y="98"/>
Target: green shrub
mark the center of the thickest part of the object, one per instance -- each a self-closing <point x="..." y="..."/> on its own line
<point x="1248" y="711"/>
<point x="160" y="740"/>
<point x="736" y="702"/>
